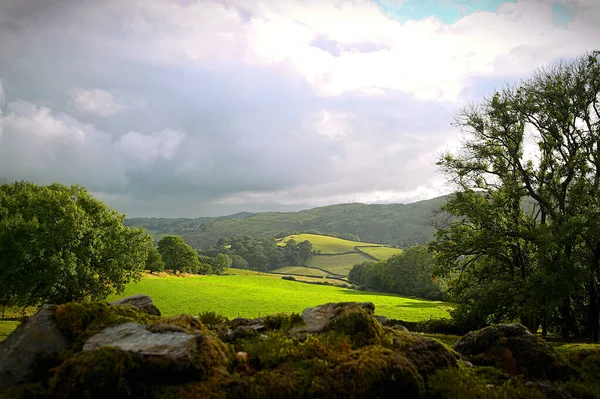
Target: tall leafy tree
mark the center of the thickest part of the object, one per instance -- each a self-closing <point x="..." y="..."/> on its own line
<point x="60" y="244"/>
<point x="525" y="242"/>
<point x="154" y="262"/>
<point x="177" y="255"/>
<point x="221" y="263"/>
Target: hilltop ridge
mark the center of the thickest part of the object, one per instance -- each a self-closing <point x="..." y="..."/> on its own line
<point x="392" y="224"/>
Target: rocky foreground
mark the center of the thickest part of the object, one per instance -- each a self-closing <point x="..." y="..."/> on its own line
<point x="337" y="350"/>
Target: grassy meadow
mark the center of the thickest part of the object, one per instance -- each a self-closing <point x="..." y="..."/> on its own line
<point x="301" y="271"/>
<point x="251" y="295"/>
<point x="338" y="256"/>
<point x="326" y="244"/>
<point x="381" y="253"/>
<point x="338" y="264"/>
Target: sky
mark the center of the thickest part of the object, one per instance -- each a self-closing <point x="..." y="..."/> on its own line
<point x="189" y="108"/>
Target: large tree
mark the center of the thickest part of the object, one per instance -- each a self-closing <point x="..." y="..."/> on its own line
<point x="525" y="243"/>
<point x="177" y="255"/>
<point x="60" y="244"/>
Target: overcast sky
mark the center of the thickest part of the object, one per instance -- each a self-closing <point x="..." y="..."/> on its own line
<point x="185" y="108"/>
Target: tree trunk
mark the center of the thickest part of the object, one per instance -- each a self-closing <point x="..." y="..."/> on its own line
<point x="545" y="324"/>
<point x="593" y="320"/>
<point x="568" y="320"/>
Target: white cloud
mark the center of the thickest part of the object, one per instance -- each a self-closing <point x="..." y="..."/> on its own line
<point x="40" y="146"/>
<point x="96" y="102"/>
<point x="425" y="58"/>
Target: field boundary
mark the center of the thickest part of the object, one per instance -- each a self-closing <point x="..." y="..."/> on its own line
<point x="329" y="274"/>
<point x="358" y="249"/>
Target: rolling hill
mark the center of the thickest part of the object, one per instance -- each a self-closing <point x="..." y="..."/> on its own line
<point x="393" y="224"/>
<point x="336" y="256"/>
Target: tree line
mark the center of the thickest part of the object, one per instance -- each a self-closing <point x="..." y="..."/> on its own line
<point x="406" y="274"/>
<point x="260" y="254"/>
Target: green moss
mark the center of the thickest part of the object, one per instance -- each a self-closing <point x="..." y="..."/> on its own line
<point x="79" y="321"/>
<point x="427" y="355"/>
<point x="373" y="372"/>
<point x="516" y="351"/>
<point x="478" y="383"/>
<point x="282" y="321"/>
<point x="183" y="323"/>
<point x="358" y="324"/>
<point x="103" y="373"/>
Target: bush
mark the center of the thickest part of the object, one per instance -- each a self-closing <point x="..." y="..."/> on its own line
<point x="212" y="318"/>
<point x="291" y="278"/>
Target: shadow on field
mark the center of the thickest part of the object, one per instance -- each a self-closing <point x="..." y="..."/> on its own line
<point x="419" y="302"/>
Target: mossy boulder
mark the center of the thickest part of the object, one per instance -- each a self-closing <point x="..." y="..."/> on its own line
<point x="512" y="348"/>
<point x="20" y="352"/>
<point x="427" y="355"/>
<point x="142" y="302"/>
<point x="354" y="319"/>
<point x="79" y="321"/>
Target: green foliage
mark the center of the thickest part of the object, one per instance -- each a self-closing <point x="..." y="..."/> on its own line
<point x="523" y="243"/>
<point x="59" y="244"/>
<point x="178" y="256"/>
<point x="479" y="383"/>
<point x="154" y="262"/>
<point x="409" y="274"/>
<point x="221" y="263"/>
<point x="237" y="262"/>
<point x="211" y="318"/>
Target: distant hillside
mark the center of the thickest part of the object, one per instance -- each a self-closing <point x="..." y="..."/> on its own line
<point x="392" y="224"/>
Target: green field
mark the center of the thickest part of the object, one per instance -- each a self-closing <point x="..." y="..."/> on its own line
<point x="248" y="295"/>
<point x="326" y="244"/>
<point x="300" y="270"/>
<point x="7" y="327"/>
<point x="381" y="253"/>
<point x="338" y="264"/>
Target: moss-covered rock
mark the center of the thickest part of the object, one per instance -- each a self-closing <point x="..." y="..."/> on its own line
<point x="79" y="321"/>
<point x="512" y="348"/>
<point x="333" y="351"/>
<point x="103" y="373"/>
<point x="428" y="355"/>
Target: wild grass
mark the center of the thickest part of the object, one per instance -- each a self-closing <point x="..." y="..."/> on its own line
<point x="300" y="270"/>
<point x="338" y="264"/>
<point x="7" y="327"/>
<point x="251" y="295"/>
<point x="380" y="253"/>
<point x="326" y="244"/>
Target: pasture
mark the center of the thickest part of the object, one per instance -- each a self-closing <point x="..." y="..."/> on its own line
<point x="300" y="271"/>
<point x="380" y="253"/>
<point x="338" y="264"/>
<point x="250" y="295"/>
<point x="326" y="244"/>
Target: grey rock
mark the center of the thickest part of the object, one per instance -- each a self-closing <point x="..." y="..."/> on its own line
<point x="140" y="301"/>
<point x="381" y="319"/>
<point x="134" y="337"/>
<point x="19" y="351"/>
<point x="318" y="318"/>
<point x="400" y="327"/>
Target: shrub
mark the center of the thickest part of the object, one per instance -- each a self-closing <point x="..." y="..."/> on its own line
<point x="212" y="318"/>
<point x="291" y="278"/>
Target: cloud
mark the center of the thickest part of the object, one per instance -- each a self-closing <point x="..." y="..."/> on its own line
<point x="191" y="108"/>
<point x="96" y="102"/>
